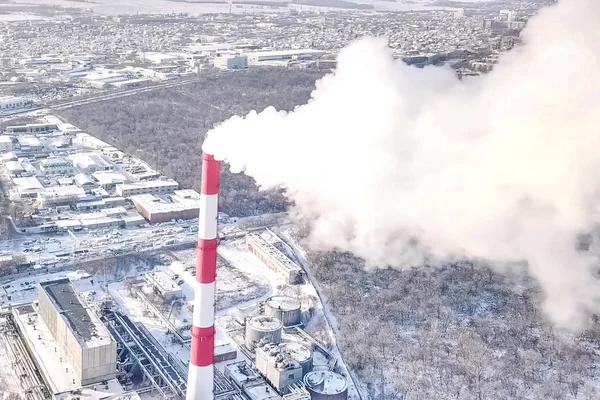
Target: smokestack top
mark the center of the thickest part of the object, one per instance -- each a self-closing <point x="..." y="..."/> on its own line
<point x="210" y="174"/>
<point x="208" y="157"/>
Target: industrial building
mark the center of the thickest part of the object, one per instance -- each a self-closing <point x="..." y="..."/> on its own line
<point x="81" y="337"/>
<point x="182" y="204"/>
<point x="30" y="128"/>
<point x="231" y="61"/>
<point x="274" y="259"/>
<point x="280" y="367"/>
<point x="56" y="166"/>
<point x="163" y="285"/>
<point x="147" y="187"/>
<point x="11" y="103"/>
<point x="258" y="57"/>
<point x="284" y="308"/>
<point x="89" y="163"/>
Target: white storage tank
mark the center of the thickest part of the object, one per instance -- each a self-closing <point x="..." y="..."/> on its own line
<point x="326" y="385"/>
<point x="284" y="308"/>
<point x="263" y="327"/>
<point x="302" y="354"/>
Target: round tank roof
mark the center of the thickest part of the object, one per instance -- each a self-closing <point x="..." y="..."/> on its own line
<point x="283" y="303"/>
<point x="325" y="382"/>
<point x="264" y="323"/>
<point x="298" y="352"/>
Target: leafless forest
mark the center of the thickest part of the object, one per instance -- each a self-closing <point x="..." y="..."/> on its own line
<point x="167" y="127"/>
<point x="459" y="332"/>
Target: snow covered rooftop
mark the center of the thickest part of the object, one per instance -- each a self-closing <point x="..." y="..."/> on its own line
<point x="85" y="325"/>
<point x="325" y="382"/>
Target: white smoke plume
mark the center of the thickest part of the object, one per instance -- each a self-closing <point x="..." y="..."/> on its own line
<point x="405" y="166"/>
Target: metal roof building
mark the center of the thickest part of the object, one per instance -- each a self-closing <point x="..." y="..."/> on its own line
<point x="82" y="338"/>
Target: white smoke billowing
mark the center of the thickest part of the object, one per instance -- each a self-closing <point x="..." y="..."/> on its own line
<point x="403" y="166"/>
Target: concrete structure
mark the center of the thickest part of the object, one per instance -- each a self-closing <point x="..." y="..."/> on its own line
<point x="109" y="179"/>
<point x="82" y="338"/>
<point x="326" y="385"/>
<point x="151" y="187"/>
<point x="56" y="166"/>
<point x="201" y="370"/>
<point x="163" y="284"/>
<point x="274" y="258"/>
<point x="231" y="62"/>
<point x="286" y="309"/>
<point x="278" y="367"/>
<point x="183" y="204"/>
<point x="262" y="328"/>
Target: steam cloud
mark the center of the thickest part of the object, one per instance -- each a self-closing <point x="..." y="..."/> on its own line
<point x="404" y="166"/>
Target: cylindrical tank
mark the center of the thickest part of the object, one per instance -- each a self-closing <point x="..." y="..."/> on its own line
<point x="284" y="308"/>
<point x="326" y="385"/>
<point x="302" y="354"/>
<point x="263" y="327"/>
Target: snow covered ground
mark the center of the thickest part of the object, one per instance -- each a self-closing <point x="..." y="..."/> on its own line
<point x="8" y="378"/>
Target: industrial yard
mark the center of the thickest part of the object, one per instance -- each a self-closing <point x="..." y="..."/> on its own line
<point x="143" y="323"/>
<point x="77" y="325"/>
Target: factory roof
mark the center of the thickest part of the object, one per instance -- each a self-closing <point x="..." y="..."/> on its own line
<point x="14" y="166"/>
<point x="294" y="52"/>
<point x="148" y="184"/>
<point x="261" y="392"/>
<point x="28" y="183"/>
<point x="85" y="325"/>
<point x="109" y="177"/>
<point x="179" y="201"/>
<point x="162" y="281"/>
<point x="54" y="161"/>
<point x="265" y="247"/>
<point x="30" y="141"/>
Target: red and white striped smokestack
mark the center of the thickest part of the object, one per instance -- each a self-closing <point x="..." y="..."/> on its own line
<point x="200" y="377"/>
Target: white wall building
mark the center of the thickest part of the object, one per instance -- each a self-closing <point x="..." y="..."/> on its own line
<point x="56" y="166"/>
<point x="5" y="144"/>
<point x="231" y="61"/>
<point x="11" y="103"/>
<point x="150" y="187"/>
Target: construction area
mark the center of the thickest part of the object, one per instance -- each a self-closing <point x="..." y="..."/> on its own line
<point x="130" y="339"/>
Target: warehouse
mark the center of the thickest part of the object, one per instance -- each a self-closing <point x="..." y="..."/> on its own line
<point x="274" y="259"/>
<point x="90" y="163"/>
<point x="258" y="57"/>
<point x="183" y="204"/>
<point x="163" y="285"/>
<point x="31" y="128"/>
<point x="151" y="187"/>
<point x="28" y="186"/>
<point x="56" y="166"/>
<point x="82" y="339"/>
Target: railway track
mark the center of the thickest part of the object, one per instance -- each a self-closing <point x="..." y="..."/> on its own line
<point x="29" y="378"/>
<point x="119" y="94"/>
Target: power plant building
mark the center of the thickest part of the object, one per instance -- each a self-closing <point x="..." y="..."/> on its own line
<point x="278" y="367"/>
<point x="82" y="339"/>
<point x="274" y="259"/>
